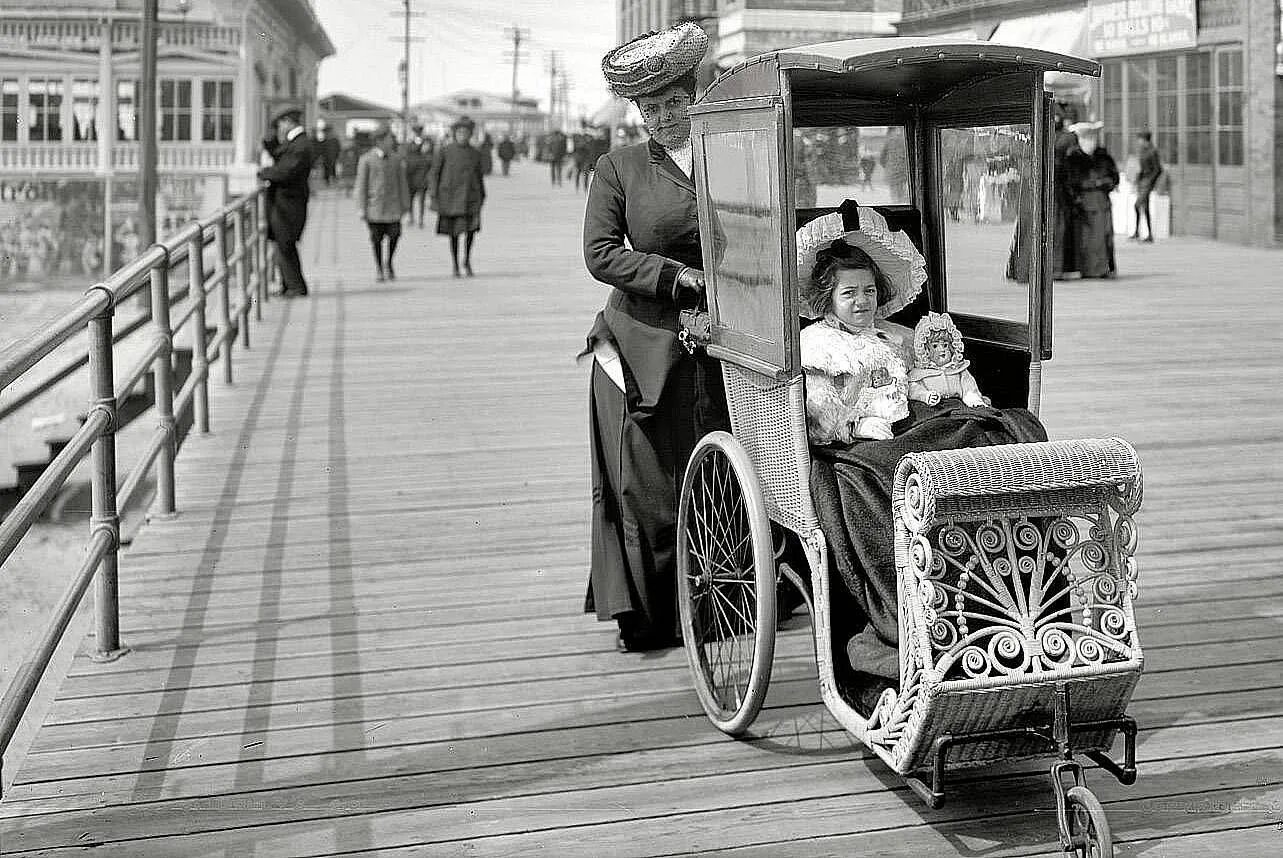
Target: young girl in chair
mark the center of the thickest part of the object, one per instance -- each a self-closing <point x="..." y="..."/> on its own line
<point x="862" y="417"/>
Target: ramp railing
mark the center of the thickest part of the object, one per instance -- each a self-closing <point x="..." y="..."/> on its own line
<point x="231" y="242"/>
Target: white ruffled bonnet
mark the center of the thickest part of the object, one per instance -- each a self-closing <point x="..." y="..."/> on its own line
<point x="892" y="251"/>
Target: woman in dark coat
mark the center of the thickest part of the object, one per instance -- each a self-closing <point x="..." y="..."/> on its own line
<point x="1092" y="176"/>
<point x="456" y="187"/>
<point x="649" y="399"/>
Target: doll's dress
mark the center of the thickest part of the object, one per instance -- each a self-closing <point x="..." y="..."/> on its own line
<point x="949" y="381"/>
<point x="854" y="375"/>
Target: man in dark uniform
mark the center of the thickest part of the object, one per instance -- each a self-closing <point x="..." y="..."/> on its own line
<point x="287" y="207"/>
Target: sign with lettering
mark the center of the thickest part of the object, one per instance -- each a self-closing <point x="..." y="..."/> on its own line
<point x="1121" y="27"/>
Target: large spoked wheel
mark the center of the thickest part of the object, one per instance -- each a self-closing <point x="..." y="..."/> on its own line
<point x="726" y="582"/>
<point x="1088" y="828"/>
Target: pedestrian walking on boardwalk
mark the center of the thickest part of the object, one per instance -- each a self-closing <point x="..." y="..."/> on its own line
<point x="1151" y="168"/>
<point x="650" y="401"/>
<point x="507" y="151"/>
<point x="327" y="151"/>
<point x="556" y="153"/>
<point x="487" y="154"/>
<point x="1093" y="175"/>
<point x="383" y="199"/>
<point x="292" y="153"/>
<point x="417" y="154"/>
<point x="456" y="186"/>
<point x="1064" y="243"/>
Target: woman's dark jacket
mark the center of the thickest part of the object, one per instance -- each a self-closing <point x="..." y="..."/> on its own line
<point x="641" y="195"/>
<point x="456" y="180"/>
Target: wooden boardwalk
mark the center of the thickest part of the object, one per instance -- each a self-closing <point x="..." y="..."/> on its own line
<point x="362" y="633"/>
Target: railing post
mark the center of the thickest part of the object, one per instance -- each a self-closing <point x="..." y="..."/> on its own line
<point x="251" y="238"/>
<point x="260" y="241"/>
<point x="200" y="361"/>
<point x="242" y="271"/>
<point x="224" y="299"/>
<point x="104" y="515"/>
<point x="163" y="374"/>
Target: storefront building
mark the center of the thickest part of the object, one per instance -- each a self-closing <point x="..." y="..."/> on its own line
<point x="1201" y="75"/>
<point x="747" y="28"/>
<point x="69" y="120"/>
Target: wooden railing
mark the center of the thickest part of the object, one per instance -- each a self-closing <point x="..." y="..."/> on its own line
<point x="81" y="157"/>
<point x="237" y="286"/>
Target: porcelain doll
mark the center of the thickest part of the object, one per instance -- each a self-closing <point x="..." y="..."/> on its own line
<point x="940" y="370"/>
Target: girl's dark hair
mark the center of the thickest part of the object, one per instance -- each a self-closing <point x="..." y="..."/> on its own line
<point x="686" y="82"/>
<point x="824" y="276"/>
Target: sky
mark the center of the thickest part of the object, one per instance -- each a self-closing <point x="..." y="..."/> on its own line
<point x="464" y="47"/>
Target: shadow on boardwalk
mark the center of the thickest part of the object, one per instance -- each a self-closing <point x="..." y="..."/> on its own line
<point x="362" y="632"/>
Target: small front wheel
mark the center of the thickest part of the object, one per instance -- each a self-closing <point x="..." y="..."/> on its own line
<point x="1088" y="828"/>
<point x="726" y="582"/>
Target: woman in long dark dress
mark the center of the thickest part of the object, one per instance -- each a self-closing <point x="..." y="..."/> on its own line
<point x="1093" y="175"/>
<point x="650" y="401"/>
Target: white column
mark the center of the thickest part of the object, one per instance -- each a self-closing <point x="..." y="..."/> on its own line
<point x="106" y="119"/>
<point x="245" y="93"/>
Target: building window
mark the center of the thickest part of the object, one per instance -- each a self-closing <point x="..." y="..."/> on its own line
<point x="1167" y="118"/>
<point x="44" y="109"/>
<point x="175" y="110"/>
<point x="1112" y="83"/>
<point x="216" y="110"/>
<point x="1229" y="108"/>
<point x="84" y="109"/>
<point x="127" y="110"/>
<point x="9" y="109"/>
<point x="1140" y="86"/>
<point x="1198" y="108"/>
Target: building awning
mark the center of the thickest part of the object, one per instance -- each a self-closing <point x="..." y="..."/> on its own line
<point x="1064" y="32"/>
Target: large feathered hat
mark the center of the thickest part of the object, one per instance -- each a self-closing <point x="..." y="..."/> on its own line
<point x="653" y="61"/>
<point x="891" y="250"/>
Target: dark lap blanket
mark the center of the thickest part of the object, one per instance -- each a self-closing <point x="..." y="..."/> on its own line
<point x="851" y="488"/>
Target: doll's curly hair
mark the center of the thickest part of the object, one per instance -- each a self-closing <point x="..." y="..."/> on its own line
<point x="841" y="256"/>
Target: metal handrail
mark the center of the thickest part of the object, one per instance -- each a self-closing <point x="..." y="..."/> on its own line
<point x="245" y="270"/>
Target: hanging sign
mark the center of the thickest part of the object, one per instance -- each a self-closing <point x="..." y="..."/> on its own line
<point x="1121" y="27"/>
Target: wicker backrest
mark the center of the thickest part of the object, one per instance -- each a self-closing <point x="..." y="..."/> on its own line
<point x="1017" y="559"/>
<point x="768" y="417"/>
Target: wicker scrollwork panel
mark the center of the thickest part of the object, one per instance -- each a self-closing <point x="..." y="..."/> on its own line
<point x="1017" y="596"/>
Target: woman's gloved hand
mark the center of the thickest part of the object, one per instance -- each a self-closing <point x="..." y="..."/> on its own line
<point x="691" y="280"/>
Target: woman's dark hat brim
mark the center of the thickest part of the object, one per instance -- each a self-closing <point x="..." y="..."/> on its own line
<point x="294" y="113"/>
<point x="653" y="62"/>
<point x="463" y="122"/>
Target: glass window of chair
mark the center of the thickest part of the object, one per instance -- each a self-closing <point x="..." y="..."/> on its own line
<point x="44" y="109"/>
<point x="127" y="110"/>
<point x="987" y="173"/>
<point x="84" y="108"/>
<point x="869" y="164"/>
<point x="9" y="93"/>
<point x="175" y="110"/>
<point x="1198" y="108"/>
<point x="216" y="110"/>
<point x="1229" y="107"/>
<point x="741" y="166"/>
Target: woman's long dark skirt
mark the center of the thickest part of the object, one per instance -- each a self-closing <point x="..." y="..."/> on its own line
<point x="637" y="466"/>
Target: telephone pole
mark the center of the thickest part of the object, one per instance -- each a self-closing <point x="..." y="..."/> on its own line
<point x="403" y="68"/>
<point x="518" y="35"/>
<point x="405" y="78"/>
<point x="554" y="88"/>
